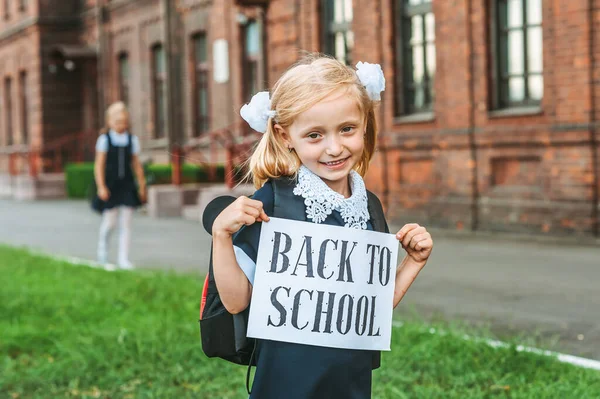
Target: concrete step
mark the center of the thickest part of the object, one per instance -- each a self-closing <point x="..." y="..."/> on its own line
<point x="52" y="185"/>
<point x="6" y="185"/>
<point x="25" y="187"/>
<point x="207" y="194"/>
<point x="210" y="193"/>
<point x="191" y="212"/>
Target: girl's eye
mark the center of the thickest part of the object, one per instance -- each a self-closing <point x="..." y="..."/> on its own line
<point x="347" y="129"/>
<point x="313" y="136"/>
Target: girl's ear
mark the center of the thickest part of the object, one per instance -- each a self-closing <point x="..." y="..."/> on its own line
<point x="281" y="132"/>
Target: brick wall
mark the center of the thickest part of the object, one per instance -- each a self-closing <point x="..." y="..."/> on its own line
<point x="465" y="166"/>
<point x="61" y="90"/>
<point x="468" y="166"/>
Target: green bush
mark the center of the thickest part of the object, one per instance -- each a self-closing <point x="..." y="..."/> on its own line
<point x="190" y="173"/>
<point x="80" y="176"/>
<point x="79" y="179"/>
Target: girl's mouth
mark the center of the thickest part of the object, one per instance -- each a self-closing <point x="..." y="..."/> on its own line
<point x="336" y="164"/>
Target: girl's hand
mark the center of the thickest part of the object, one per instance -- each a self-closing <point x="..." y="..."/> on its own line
<point x="242" y="212"/>
<point x="142" y="194"/>
<point x="416" y="241"/>
<point x="103" y="193"/>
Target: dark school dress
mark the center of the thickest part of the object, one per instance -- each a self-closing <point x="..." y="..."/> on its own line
<point x="297" y="371"/>
<point x="118" y="177"/>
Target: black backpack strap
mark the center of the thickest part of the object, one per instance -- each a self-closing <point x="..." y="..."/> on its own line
<point x="108" y="141"/>
<point x="287" y="205"/>
<point x="377" y="214"/>
<point x="251" y="363"/>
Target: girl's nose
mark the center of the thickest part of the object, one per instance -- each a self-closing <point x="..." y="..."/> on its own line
<point x="334" y="146"/>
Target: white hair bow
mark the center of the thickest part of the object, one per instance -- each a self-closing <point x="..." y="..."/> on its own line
<point x="371" y="76"/>
<point x="258" y="111"/>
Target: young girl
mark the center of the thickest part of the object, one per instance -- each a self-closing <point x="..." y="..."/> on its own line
<point x="116" y="161"/>
<point x="319" y="130"/>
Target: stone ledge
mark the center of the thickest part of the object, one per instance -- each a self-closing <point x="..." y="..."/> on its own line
<point x="6" y="185"/>
<point x="210" y="193"/>
<point x="45" y="186"/>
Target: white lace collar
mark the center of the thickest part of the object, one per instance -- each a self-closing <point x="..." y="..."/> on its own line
<point x="320" y="200"/>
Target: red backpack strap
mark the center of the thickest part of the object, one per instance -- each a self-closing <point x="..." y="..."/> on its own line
<point x="204" y="293"/>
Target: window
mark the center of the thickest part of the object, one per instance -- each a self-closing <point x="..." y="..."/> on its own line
<point x="201" y="80"/>
<point x="8" y="125"/>
<point x="159" y="91"/>
<point x="415" y="57"/>
<point x="518" y="68"/>
<point x="337" y="37"/>
<point x="24" y="107"/>
<point x="124" y="77"/>
<point x="251" y="58"/>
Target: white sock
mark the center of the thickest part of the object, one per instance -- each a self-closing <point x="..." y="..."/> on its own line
<point x="125" y="234"/>
<point x="109" y="221"/>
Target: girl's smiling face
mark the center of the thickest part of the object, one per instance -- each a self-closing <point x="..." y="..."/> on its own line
<point x="329" y="139"/>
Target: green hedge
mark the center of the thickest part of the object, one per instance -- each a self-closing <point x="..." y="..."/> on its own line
<point x="80" y="176"/>
<point x="79" y="179"/>
<point x="161" y="174"/>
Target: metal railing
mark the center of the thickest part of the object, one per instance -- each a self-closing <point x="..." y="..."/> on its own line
<point x="236" y="140"/>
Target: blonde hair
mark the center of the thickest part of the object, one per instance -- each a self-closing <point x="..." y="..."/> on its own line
<point x="304" y="84"/>
<point x="113" y="109"/>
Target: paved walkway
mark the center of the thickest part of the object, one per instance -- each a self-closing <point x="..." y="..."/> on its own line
<point x="546" y="288"/>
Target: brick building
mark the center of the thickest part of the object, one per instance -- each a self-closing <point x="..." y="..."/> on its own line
<point x="489" y="120"/>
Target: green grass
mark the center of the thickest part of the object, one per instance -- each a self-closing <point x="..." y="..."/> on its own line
<point x="75" y="332"/>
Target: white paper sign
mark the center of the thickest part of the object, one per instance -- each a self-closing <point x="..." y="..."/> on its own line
<point x="323" y="285"/>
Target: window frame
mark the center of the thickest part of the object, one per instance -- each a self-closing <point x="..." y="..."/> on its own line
<point x="403" y="11"/>
<point x="123" y="81"/>
<point x="24" y="106"/>
<point x="158" y="79"/>
<point x="329" y="28"/>
<point x="251" y="64"/>
<point x="500" y="92"/>
<point x="200" y="76"/>
<point x="8" y="109"/>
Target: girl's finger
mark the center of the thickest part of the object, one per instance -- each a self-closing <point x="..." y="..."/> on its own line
<point x="248" y="220"/>
<point x="242" y="216"/>
<point x="256" y="204"/>
<point x="255" y="213"/>
<point x="405" y="229"/>
<point x="424" y="245"/>
<point x="406" y="240"/>
<point x="418" y="238"/>
<point x="263" y="216"/>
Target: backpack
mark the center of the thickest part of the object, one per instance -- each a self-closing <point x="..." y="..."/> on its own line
<point x="224" y="334"/>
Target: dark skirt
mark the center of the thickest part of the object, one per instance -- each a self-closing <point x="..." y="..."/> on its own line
<point x="121" y="194"/>
<point x="295" y="371"/>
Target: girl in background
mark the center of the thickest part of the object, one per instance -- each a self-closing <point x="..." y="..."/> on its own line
<point x="117" y="195"/>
